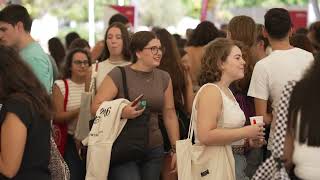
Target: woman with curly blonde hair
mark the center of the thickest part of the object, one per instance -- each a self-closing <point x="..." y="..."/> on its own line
<point x="219" y="119"/>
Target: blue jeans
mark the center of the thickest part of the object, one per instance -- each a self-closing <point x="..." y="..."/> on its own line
<point x="241" y="164"/>
<point x="76" y="166"/>
<point x="254" y="160"/>
<point x="147" y="169"/>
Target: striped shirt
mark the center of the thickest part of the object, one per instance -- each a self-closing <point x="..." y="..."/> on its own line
<point x="74" y="99"/>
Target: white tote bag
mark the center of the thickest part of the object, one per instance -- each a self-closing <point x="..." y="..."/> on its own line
<point x="82" y="128"/>
<point x="200" y="162"/>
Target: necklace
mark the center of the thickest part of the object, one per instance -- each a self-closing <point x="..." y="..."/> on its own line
<point x="149" y="79"/>
<point x="146" y="77"/>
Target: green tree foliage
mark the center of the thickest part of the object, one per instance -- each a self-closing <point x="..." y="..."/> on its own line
<point x="76" y="10"/>
<point x="161" y="13"/>
<point x="263" y="3"/>
<point x="192" y="7"/>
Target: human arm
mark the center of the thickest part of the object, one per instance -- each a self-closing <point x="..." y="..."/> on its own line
<point x="171" y="121"/>
<point x="209" y="108"/>
<point x="188" y="94"/>
<point x="97" y="50"/>
<point x="288" y="150"/>
<point x="261" y="110"/>
<point x="107" y="92"/>
<point x="259" y="90"/>
<point x="169" y="115"/>
<point x="13" y="140"/>
<point x="60" y="115"/>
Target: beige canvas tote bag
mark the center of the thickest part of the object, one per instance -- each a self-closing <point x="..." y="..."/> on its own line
<point x="200" y="162"/>
<point x="82" y="128"/>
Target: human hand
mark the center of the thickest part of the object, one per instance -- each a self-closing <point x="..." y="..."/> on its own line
<point x="254" y="131"/>
<point x="131" y="112"/>
<point x="173" y="163"/>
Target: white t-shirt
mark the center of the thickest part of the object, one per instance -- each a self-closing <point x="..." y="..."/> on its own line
<point x="305" y="158"/>
<point x="105" y="67"/>
<point x="272" y="73"/>
<point x="74" y="99"/>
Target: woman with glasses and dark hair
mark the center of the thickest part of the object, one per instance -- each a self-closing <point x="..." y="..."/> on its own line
<point x="69" y="91"/>
<point x="143" y="77"/>
<point x="25" y="114"/>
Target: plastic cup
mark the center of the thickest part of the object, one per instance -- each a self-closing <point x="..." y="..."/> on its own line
<point x="256" y="120"/>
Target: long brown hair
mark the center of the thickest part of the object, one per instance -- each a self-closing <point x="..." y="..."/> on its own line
<point x="125" y="39"/>
<point x="243" y="29"/>
<point x="171" y="62"/>
<point x="18" y="82"/>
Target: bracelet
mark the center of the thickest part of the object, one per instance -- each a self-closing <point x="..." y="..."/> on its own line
<point x="173" y="148"/>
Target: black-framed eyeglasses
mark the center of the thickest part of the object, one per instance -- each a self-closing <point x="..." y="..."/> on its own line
<point x="80" y="62"/>
<point x="155" y="49"/>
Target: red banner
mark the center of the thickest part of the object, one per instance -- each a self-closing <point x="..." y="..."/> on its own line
<point x="127" y="11"/>
<point x="204" y="9"/>
<point x="298" y="18"/>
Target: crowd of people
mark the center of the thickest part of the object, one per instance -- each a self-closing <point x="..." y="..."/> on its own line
<point x="217" y="78"/>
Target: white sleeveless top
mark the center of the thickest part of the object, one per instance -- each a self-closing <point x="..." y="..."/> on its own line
<point x="74" y="99"/>
<point x="306" y="158"/>
<point x="105" y="67"/>
<point x="231" y="115"/>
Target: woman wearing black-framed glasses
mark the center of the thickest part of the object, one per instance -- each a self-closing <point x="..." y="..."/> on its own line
<point x="143" y="77"/>
<point x="66" y="97"/>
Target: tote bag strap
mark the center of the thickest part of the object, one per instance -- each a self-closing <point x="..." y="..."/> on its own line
<point x="193" y="114"/>
<point x="92" y="87"/>
<point x="124" y="83"/>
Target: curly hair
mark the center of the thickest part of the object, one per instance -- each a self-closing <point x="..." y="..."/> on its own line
<point x="216" y="52"/>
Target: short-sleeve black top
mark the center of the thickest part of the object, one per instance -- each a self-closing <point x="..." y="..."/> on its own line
<point x="35" y="158"/>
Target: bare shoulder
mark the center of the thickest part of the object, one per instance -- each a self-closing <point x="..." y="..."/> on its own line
<point x="210" y="93"/>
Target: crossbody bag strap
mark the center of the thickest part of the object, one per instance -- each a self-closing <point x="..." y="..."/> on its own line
<point x="124" y="83"/>
<point x="65" y="102"/>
